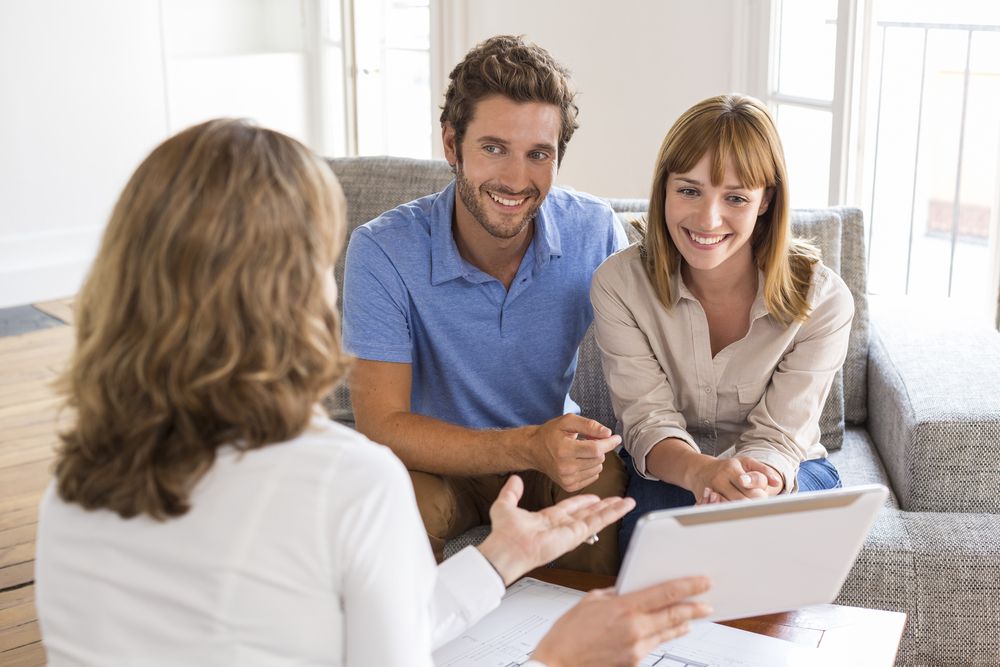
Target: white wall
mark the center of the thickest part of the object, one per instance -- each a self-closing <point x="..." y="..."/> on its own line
<point x="81" y="103"/>
<point x="637" y="66"/>
<point x="82" y="96"/>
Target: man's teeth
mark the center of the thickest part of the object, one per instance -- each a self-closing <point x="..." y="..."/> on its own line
<point x="706" y="240"/>
<point x="506" y="202"/>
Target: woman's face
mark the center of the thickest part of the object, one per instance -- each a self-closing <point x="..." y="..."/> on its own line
<point x="712" y="225"/>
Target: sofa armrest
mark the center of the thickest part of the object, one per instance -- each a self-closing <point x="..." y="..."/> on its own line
<point x="934" y="408"/>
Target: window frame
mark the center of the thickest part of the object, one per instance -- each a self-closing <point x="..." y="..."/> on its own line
<point x="756" y="30"/>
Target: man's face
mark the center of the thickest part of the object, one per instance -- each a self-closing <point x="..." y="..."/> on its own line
<point x="507" y="165"/>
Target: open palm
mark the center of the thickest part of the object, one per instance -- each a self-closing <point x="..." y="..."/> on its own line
<point x="537" y="538"/>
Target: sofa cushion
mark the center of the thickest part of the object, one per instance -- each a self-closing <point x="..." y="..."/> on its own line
<point x="854" y="271"/>
<point x="934" y="407"/>
<point x="822" y="227"/>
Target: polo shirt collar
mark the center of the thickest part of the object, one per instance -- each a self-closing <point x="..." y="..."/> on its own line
<point x="547" y="241"/>
<point x="447" y="263"/>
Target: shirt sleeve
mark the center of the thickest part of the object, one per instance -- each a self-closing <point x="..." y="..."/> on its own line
<point x="619" y="239"/>
<point x="398" y="606"/>
<point x="785" y="421"/>
<point x="376" y="303"/>
<point x="641" y="394"/>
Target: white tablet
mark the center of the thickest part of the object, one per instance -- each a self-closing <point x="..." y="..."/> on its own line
<point x="763" y="556"/>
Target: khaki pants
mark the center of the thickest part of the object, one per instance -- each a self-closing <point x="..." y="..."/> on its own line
<point x="450" y="506"/>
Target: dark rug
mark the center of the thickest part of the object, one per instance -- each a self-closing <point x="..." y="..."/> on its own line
<point x="24" y="319"/>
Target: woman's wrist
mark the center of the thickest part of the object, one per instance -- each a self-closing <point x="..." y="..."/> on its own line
<point x="503" y="561"/>
<point x="674" y="461"/>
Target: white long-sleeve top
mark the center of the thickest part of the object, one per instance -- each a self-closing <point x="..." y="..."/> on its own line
<point x="309" y="552"/>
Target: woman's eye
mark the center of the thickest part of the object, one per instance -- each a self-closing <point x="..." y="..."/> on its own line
<point x="688" y="192"/>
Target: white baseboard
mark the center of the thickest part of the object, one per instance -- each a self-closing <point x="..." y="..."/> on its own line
<point x="41" y="266"/>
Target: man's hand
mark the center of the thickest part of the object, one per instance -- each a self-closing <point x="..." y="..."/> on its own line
<point x="520" y="540"/>
<point x="608" y="629"/>
<point x="738" y="478"/>
<point x="570" y="449"/>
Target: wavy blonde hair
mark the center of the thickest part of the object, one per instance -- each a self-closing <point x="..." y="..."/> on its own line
<point x="738" y="128"/>
<point x="205" y="319"/>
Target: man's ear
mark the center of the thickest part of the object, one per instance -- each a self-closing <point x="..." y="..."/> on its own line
<point x="765" y="201"/>
<point x="448" y="141"/>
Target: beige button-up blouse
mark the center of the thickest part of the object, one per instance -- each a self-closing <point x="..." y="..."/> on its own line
<point x="760" y="397"/>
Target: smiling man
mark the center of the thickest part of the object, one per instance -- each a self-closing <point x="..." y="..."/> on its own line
<point x="466" y="308"/>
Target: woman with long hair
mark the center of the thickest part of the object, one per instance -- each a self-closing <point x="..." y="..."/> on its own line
<point x="203" y="510"/>
<point x="720" y="333"/>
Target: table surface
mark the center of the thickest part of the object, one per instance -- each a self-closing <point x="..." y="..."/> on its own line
<point x="853" y="634"/>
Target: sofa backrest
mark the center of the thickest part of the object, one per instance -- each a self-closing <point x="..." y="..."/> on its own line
<point x="373" y="185"/>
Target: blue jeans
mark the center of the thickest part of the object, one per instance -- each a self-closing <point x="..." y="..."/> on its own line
<point x="650" y="495"/>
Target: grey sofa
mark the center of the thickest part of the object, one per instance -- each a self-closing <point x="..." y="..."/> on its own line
<point x="917" y="409"/>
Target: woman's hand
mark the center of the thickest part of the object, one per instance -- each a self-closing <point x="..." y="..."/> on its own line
<point x="605" y="629"/>
<point x="737" y="478"/>
<point x="521" y="540"/>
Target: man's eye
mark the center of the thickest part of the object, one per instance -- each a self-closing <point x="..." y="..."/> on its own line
<point x="491" y="149"/>
<point x="538" y="155"/>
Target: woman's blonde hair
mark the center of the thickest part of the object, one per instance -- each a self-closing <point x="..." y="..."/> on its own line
<point x="740" y="129"/>
<point x="206" y="318"/>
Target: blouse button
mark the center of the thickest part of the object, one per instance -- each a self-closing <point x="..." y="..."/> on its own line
<point x="708" y="390"/>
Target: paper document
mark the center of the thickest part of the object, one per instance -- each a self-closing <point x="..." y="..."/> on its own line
<point x="506" y="637"/>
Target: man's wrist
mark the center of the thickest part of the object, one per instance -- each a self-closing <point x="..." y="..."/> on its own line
<point x="519" y="442"/>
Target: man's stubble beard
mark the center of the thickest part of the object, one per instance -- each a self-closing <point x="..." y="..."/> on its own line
<point x="470" y="197"/>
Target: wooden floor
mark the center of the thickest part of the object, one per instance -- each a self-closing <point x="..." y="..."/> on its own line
<point x="30" y="417"/>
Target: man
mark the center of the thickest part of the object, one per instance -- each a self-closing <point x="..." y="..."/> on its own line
<point x="466" y="308"/>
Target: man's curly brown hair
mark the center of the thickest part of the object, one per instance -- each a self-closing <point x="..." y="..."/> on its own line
<point x="508" y="65"/>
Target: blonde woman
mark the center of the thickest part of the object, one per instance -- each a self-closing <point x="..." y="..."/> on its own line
<point x="720" y="333"/>
<point x="203" y="511"/>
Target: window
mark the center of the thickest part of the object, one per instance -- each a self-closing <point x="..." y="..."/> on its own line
<point x="347" y="77"/>
<point x="890" y="105"/>
<point x="801" y="94"/>
<point x="375" y="81"/>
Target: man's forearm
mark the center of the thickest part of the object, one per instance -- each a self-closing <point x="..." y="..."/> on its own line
<point x="431" y="445"/>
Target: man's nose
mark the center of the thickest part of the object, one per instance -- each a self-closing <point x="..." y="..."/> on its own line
<point x="515" y="174"/>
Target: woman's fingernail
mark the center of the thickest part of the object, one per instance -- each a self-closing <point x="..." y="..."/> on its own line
<point x="745" y="480"/>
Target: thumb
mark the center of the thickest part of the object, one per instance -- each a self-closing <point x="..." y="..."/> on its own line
<point x="511" y="492"/>
<point x="773" y="476"/>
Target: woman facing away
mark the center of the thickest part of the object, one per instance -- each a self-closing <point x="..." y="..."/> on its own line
<point x="720" y="333"/>
<point x="204" y="511"/>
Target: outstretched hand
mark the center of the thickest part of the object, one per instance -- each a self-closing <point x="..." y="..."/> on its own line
<point x="521" y="540"/>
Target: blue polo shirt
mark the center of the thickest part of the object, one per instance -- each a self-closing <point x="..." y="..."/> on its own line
<point x="482" y="356"/>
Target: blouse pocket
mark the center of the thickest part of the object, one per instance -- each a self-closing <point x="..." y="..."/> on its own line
<point x="749" y="394"/>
